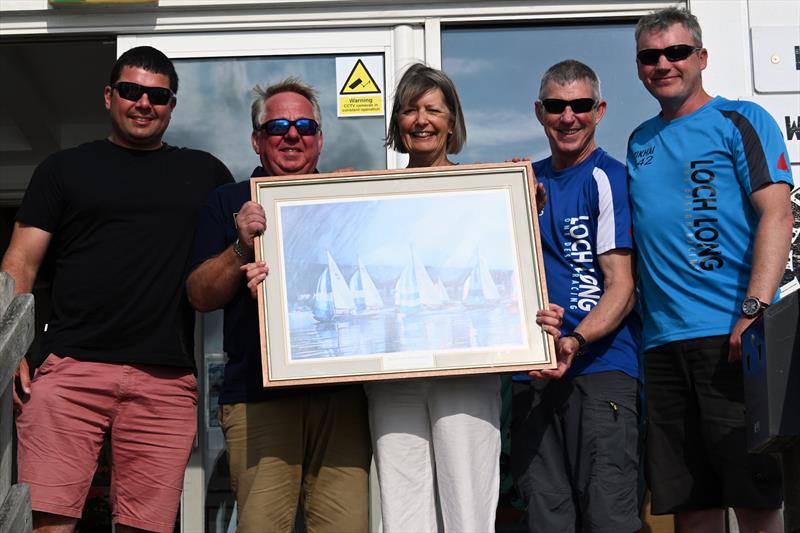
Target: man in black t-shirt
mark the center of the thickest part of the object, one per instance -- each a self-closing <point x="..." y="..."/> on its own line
<point x="117" y="217"/>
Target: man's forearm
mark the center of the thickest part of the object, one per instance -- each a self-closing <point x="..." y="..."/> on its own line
<point x="24" y="255"/>
<point x="770" y="251"/>
<point x="24" y="277"/>
<point x="617" y="299"/>
<point x="215" y="282"/>
<point x="608" y="314"/>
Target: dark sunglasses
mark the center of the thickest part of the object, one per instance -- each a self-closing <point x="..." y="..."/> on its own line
<point x="133" y="92"/>
<point x="677" y="52"/>
<point x="579" y="105"/>
<point x="281" y="126"/>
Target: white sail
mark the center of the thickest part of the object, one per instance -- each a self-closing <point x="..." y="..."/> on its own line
<point x="332" y="296"/>
<point x="428" y="293"/>
<point x="415" y="288"/>
<point x="365" y="293"/>
<point x="480" y="288"/>
<point x="440" y="288"/>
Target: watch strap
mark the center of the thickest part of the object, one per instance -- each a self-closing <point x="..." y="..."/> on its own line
<point x="581" y="341"/>
<point x="237" y="249"/>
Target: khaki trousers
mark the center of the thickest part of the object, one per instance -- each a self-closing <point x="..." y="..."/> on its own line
<point x="315" y="447"/>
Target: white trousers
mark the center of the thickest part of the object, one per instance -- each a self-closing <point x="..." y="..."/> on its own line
<point x="436" y="443"/>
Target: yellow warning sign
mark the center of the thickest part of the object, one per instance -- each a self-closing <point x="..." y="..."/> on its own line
<point x="360" y="94"/>
<point x="360" y="81"/>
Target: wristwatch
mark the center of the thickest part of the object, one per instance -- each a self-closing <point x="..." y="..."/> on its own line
<point x="752" y="307"/>
<point x="581" y="342"/>
<point x="237" y="249"/>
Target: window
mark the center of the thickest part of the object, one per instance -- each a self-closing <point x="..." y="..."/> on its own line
<point x="497" y="71"/>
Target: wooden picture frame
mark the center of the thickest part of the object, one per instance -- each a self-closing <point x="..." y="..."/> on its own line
<point x="402" y="273"/>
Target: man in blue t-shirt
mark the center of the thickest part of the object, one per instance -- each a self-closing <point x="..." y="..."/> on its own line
<point x="709" y="185"/>
<point x="309" y="445"/>
<point x="574" y="436"/>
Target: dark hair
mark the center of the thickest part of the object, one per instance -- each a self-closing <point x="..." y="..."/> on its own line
<point x="149" y="59"/>
<point x="416" y="81"/>
<point x="663" y="19"/>
<point x="570" y="71"/>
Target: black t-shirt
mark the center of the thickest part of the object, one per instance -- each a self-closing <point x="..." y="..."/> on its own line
<point x="122" y="224"/>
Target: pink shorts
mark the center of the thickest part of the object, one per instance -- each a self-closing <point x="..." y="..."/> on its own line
<point x="149" y="412"/>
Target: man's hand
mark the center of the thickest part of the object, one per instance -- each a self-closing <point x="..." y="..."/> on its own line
<point x="550" y="318"/>
<point x="541" y="197"/>
<point x="566" y="348"/>
<point x="541" y="194"/>
<point x="255" y="274"/>
<point x="22" y="383"/>
<point x="735" y="341"/>
<point x="251" y="222"/>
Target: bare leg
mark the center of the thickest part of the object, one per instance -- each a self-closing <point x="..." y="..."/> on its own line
<point x="702" y="521"/>
<point x="759" y="520"/>
<point x="52" y="523"/>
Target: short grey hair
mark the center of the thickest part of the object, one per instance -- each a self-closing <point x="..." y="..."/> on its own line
<point x="416" y="81"/>
<point x="567" y="72"/>
<point x="291" y="84"/>
<point x="663" y="19"/>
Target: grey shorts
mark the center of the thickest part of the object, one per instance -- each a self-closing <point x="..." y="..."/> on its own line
<point x="696" y="436"/>
<point x="575" y="452"/>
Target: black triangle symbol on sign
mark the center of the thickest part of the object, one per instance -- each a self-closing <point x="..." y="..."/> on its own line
<point x="360" y="81"/>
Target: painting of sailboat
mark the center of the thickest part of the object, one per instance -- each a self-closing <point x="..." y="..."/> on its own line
<point x="414" y="288"/>
<point x="365" y="294"/>
<point x="332" y="296"/>
<point x="357" y="283"/>
<point x="480" y="288"/>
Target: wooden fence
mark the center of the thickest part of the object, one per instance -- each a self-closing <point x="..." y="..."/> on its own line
<point x="16" y="335"/>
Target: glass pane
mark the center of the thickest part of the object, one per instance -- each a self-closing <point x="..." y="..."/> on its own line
<point x="497" y="71"/>
<point x="213" y="111"/>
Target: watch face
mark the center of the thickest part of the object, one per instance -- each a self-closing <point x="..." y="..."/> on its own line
<point x="750" y="307"/>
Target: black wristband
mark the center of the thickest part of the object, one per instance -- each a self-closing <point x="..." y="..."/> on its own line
<point x="581" y="341"/>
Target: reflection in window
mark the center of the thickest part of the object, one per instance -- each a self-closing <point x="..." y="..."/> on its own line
<point x="213" y="111"/>
<point x="497" y="71"/>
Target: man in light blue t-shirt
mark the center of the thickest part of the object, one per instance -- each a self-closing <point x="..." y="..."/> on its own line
<point x="574" y="436"/>
<point x="709" y="186"/>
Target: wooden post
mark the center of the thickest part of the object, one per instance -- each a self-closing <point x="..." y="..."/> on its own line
<point x="16" y="335"/>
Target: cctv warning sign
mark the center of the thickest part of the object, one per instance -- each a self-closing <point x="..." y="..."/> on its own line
<point x="359" y="81"/>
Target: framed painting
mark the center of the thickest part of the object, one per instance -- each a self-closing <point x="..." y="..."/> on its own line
<point x="401" y="274"/>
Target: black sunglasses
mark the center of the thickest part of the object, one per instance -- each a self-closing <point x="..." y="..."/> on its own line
<point x="281" y="126"/>
<point x="677" y="52"/>
<point x="579" y="105"/>
<point x="133" y="92"/>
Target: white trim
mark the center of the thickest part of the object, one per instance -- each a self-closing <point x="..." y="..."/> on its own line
<point x="277" y="42"/>
<point x="606" y="225"/>
<point x="196" y="15"/>
<point x="433" y="42"/>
